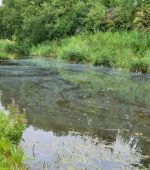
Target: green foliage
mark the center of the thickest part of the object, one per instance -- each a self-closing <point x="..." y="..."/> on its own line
<point x="104" y="60"/>
<point x="10" y="18"/>
<point x="45" y="49"/>
<point x="49" y="20"/>
<point x="7" y="49"/>
<point x="125" y="50"/>
<point x="95" y="16"/>
<point x="32" y="22"/>
<point x="142" y="17"/>
<point x="11" y="129"/>
<point x="140" y="65"/>
<point x="73" y="56"/>
<point x="37" y="27"/>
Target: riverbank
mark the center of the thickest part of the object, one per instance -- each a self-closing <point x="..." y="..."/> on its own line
<point x="120" y="50"/>
<point x="11" y="130"/>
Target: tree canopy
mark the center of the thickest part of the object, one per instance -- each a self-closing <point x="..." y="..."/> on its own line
<point x="36" y="21"/>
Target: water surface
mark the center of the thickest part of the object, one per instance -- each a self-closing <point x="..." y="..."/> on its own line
<point x="79" y="116"/>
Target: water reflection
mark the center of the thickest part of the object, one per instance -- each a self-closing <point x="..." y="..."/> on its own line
<point x="2" y="108"/>
<point x="80" y="116"/>
<point x="79" y="151"/>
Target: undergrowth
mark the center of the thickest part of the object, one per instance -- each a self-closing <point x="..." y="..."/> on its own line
<point x="11" y="129"/>
<point x="121" y="50"/>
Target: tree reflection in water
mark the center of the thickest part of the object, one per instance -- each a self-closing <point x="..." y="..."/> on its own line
<point x="76" y="112"/>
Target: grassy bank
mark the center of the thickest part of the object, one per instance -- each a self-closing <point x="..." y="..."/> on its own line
<point x="7" y="49"/>
<point x="121" y="50"/>
<point x="129" y="51"/>
<point x="11" y="129"/>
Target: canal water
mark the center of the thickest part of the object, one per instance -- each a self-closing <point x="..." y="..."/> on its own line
<point x="79" y="116"/>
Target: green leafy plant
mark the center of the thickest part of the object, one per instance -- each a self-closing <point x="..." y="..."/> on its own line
<point x="140" y="65"/>
<point x="11" y="129"/>
<point x="73" y="56"/>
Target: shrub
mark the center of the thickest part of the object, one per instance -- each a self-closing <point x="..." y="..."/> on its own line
<point x="104" y="57"/>
<point x="142" y="17"/>
<point x="95" y="16"/>
<point x="35" y="21"/>
<point x="140" y="65"/>
<point x="45" y="50"/>
<point x="11" y="129"/>
<point x="121" y="50"/>
<point x="7" y="49"/>
<point x="73" y="56"/>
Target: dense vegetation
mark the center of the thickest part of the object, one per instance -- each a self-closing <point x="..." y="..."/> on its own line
<point x="127" y="50"/>
<point x="8" y="49"/>
<point x="115" y="29"/>
<point x="11" y="129"/>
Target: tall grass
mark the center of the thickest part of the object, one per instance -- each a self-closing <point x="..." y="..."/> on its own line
<point x="122" y="50"/>
<point x="11" y="129"/>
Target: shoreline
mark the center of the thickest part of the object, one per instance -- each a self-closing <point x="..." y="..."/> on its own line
<point x="119" y="50"/>
<point x="11" y="130"/>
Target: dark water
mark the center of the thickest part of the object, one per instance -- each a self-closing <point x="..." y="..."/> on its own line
<point x="79" y="116"/>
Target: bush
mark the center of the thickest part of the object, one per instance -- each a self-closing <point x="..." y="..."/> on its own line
<point x="140" y="65"/>
<point x="103" y="60"/>
<point x="73" y="56"/>
<point x="7" y="49"/>
<point x="103" y="56"/>
<point x="45" y="50"/>
<point x="11" y="129"/>
<point x="116" y="50"/>
<point x="34" y="22"/>
<point x="95" y="16"/>
<point x="142" y="17"/>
